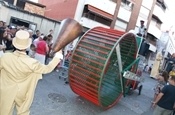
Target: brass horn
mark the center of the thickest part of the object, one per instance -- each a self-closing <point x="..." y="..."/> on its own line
<point x="69" y="31"/>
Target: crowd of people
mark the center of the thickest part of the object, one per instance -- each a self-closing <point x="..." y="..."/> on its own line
<point x="39" y="49"/>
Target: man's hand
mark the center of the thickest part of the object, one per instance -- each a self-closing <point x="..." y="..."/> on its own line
<point x="153" y="105"/>
<point x="59" y="55"/>
<point x="2" y="47"/>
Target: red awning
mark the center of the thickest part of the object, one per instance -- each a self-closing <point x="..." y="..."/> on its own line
<point x="100" y="12"/>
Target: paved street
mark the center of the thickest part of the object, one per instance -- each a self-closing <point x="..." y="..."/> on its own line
<point x="68" y="103"/>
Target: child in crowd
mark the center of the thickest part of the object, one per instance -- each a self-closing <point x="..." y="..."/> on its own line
<point x="145" y="69"/>
<point x="162" y="81"/>
<point x="32" y="51"/>
<point x="150" y="68"/>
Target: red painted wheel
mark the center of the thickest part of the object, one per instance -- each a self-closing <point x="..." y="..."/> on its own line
<point x="94" y="72"/>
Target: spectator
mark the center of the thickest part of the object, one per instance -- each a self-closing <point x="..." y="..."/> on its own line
<point x="170" y="63"/>
<point x="1" y="24"/>
<point x="50" y="32"/>
<point x="11" y="33"/>
<point x="35" y="36"/>
<point x="4" y="24"/>
<point x="41" y="50"/>
<point x="162" y="81"/>
<point x="32" y="51"/>
<point x="166" y="99"/>
<point x="145" y="68"/>
<point x="30" y="33"/>
<point x="142" y="29"/>
<point x="3" y="35"/>
<point x="49" y="42"/>
<point x="150" y="68"/>
<point x="35" y="42"/>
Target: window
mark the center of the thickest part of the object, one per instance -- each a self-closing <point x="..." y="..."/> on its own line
<point x="144" y="12"/>
<point x="20" y="4"/>
<point x="19" y="22"/>
<point x="121" y="25"/>
<point x="157" y="20"/>
<point x="127" y="4"/>
<point x="158" y="25"/>
<point x="97" y="18"/>
<point x="161" y="4"/>
<point x="9" y="1"/>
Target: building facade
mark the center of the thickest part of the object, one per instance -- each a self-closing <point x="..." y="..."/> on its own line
<point x="92" y="13"/>
<point x="28" y="5"/>
<point x="15" y="16"/>
<point x="60" y="9"/>
<point x="101" y="12"/>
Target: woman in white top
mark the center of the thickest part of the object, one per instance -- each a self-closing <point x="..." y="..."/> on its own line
<point x="3" y="35"/>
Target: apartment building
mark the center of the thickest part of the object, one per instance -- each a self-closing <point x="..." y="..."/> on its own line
<point x="102" y="12"/>
<point x="92" y="13"/>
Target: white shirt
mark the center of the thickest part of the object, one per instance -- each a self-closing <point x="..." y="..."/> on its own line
<point x="35" y="42"/>
<point x="1" y="51"/>
<point x="142" y="30"/>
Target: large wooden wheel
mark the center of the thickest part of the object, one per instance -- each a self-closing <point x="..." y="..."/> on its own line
<point x="94" y="68"/>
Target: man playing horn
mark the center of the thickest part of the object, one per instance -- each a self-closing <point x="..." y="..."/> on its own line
<point x="19" y="76"/>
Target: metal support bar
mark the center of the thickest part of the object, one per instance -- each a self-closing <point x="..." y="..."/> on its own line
<point x="120" y="65"/>
<point x="134" y="62"/>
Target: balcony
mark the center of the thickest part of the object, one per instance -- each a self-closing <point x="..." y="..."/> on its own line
<point x="159" y="13"/>
<point x="91" y="23"/>
<point x="154" y="31"/>
<point x="104" y="5"/>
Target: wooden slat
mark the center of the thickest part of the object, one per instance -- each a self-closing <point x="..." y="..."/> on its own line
<point x="78" y="73"/>
<point x="83" y="84"/>
<point x="89" y="66"/>
<point x="108" y="34"/>
<point x="99" y="40"/>
<point x="99" y="57"/>
<point x="103" y="36"/>
<point x="84" y="90"/>
<point x="100" y="64"/>
<point x="93" y="49"/>
<point x="86" y="71"/>
<point x="97" y="45"/>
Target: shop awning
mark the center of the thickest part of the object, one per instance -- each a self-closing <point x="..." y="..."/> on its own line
<point x="100" y="12"/>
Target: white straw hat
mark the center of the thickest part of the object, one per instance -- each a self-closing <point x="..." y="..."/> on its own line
<point x="21" y="40"/>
